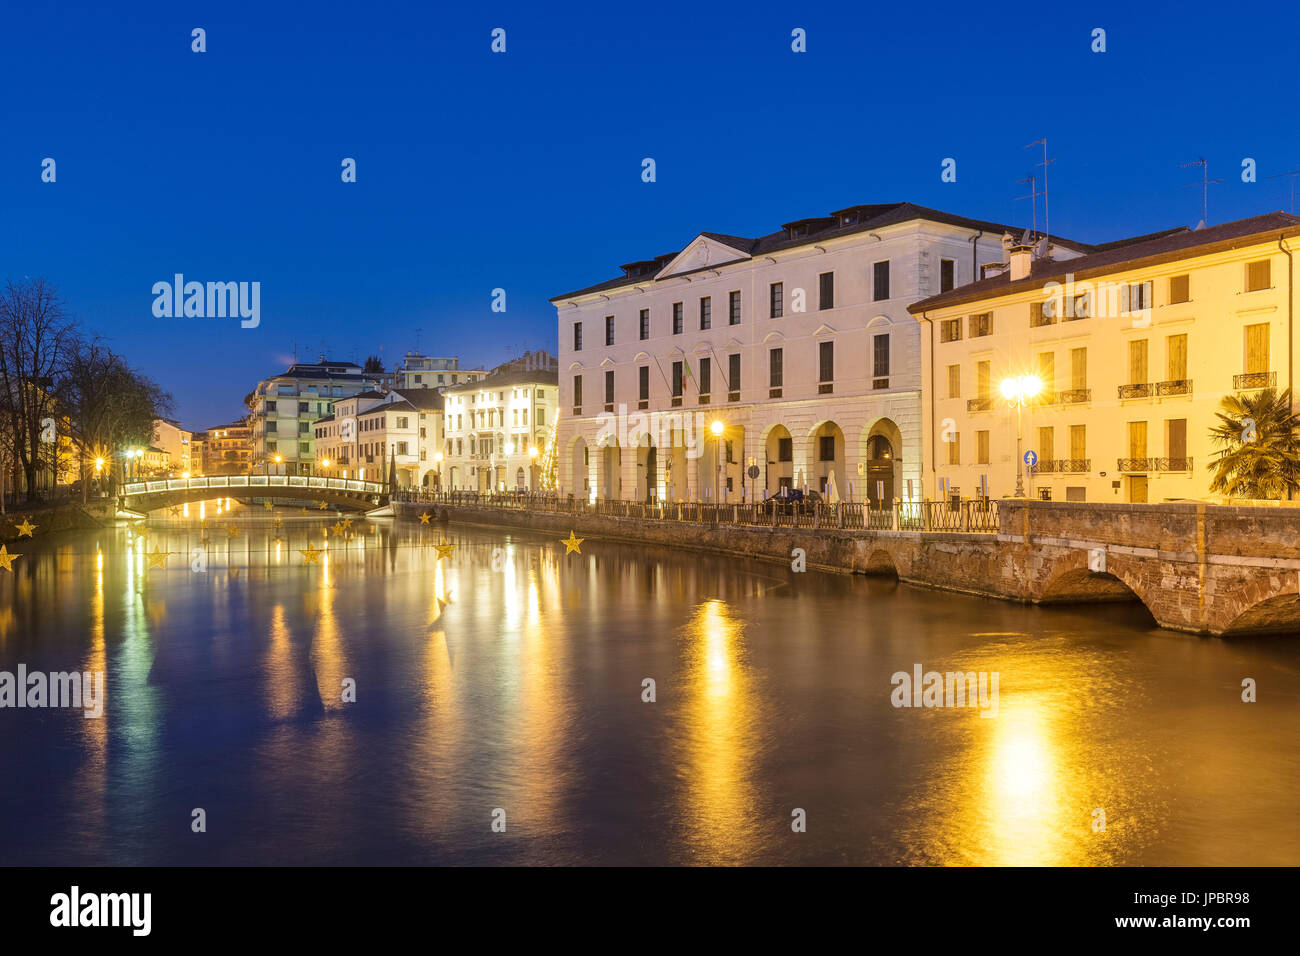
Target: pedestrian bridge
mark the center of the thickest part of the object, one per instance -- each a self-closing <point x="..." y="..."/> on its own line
<point x="166" y="492"/>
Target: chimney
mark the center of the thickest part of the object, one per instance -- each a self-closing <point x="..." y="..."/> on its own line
<point x="1022" y="254"/>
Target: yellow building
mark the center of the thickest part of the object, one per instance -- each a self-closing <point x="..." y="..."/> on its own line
<point x="1131" y="348"/>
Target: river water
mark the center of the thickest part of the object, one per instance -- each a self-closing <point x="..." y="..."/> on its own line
<point x="504" y="683"/>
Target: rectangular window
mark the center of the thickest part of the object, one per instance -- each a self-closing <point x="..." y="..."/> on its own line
<point x="983" y="377"/>
<point x="1078" y="442"/>
<point x="1176" y="442"/>
<point x="1257" y="275"/>
<point x="1079" y="368"/>
<point x="947" y="274"/>
<point x="1180" y="289"/>
<point x="950" y="330"/>
<point x="954" y="449"/>
<point x="826" y="290"/>
<point x="981" y="448"/>
<point x="541" y="416"/>
<point x="775" y="368"/>
<point x="302" y="408"/>
<point x="826" y="448"/>
<point x="645" y="324"/>
<point x="1046" y="443"/>
<point x="1176" y="357"/>
<point x="880" y="357"/>
<point x="643" y="384"/>
<point x="733" y="308"/>
<point x="1139" y="296"/>
<point x="577" y="336"/>
<point x="880" y="281"/>
<point x="1137" y="439"/>
<point x="609" y="330"/>
<point x="1042" y="313"/>
<point x="785" y="449"/>
<point x="706" y="376"/>
<point x="733" y="378"/>
<point x="981" y="324"/>
<point x="609" y="386"/>
<point x="826" y="361"/>
<point x="1257" y="357"/>
<point x="1137" y="362"/>
<point x="677" y="318"/>
<point x="677" y="380"/>
<point x="577" y="393"/>
<point x="776" y="299"/>
<point x="1047" y="373"/>
<point x="954" y="381"/>
<point x="706" y="312"/>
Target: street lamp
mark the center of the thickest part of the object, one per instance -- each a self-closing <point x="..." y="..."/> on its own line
<point x="1018" y="392"/>
<point x="717" y="428"/>
<point x="532" y="468"/>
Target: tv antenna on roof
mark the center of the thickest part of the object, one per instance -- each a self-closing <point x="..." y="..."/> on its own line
<point x="1047" y="218"/>
<point x="1293" y="173"/>
<point x="1205" y="184"/>
<point x="417" y="340"/>
<point x="1032" y="195"/>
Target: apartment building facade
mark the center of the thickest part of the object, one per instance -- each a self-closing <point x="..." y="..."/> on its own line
<point x="227" y="449"/>
<point x="1132" y="348"/>
<point x="427" y="371"/>
<point x="176" y="441"/>
<point x="798" y="345"/>
<point x="498" y="429"/>
<point x="285" y="408"/>
<point x="373" y="432"/>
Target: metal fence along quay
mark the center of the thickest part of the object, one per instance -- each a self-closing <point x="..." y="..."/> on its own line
<point x="976" y="515"/>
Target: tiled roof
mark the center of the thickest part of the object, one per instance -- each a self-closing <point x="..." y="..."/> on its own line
<point x="821" y="229"/>
<point x="507" y="379"/>
<point x="1157" y="247"/>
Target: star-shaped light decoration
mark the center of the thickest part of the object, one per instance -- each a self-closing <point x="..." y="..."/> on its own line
<point x="232" y="531"/>
<point x="25" y="529"/>
<point x="142" y="529"/>
<point x="347" y="524"/>
<point x="158" y="559"/>
<point x="304" y="510"/>
<point x="7" y="559"/>
<point x="444" y="550"/>
<point x="174" y="512"/>
<point x="424" y="518"/>
<point x="337" y="529"/>
<point x="310" y="555"/>
<point x="277" y="524"/>
<point x="269" y="506"/>
<point x="232" y="572"/>
<point x="571" y="543"/>
<point x="324" y="505"/>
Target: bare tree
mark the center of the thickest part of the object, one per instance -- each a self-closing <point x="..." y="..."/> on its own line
<point x="36" y="338"/>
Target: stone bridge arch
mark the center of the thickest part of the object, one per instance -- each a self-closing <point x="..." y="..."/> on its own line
<point x="1068" y="580"/>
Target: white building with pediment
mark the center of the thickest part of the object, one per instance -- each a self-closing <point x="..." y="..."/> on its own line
<point x="797" y="344"/>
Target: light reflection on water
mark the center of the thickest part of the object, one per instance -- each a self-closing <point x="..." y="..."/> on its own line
<point x="511" y="676"/>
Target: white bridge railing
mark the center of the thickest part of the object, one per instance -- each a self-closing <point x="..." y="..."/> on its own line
<point x="245" y="483"/>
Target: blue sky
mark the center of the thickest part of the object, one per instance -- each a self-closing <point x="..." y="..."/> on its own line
<point x="522" y="170"/>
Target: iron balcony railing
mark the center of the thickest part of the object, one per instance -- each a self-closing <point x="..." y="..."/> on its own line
<point x="1177" y="386"/>
<point x="1254" y="380"/>
<point x="1074" y="396"/>
<point x="976" y="515"/>
<point x="1142" y="390"/>
<point x="982" y="404"/>
<point x="1173" y="464"/>
<point x="1135" y="464"/>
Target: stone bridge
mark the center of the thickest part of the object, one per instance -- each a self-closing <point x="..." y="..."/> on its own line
<point x="1200" y="568"/>
<point x="166" y="492"/>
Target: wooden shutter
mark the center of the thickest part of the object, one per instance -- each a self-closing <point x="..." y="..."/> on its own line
<point x="1257" y="348"/>
<point x="1177" y="370"/>
<point x="1137" y="362"/>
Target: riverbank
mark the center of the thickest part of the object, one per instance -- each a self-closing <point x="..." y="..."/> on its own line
<point x="49" y="520"/>
<point x="1198" y="568"/>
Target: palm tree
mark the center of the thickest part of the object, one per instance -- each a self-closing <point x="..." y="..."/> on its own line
<point x="1259" y="446"/>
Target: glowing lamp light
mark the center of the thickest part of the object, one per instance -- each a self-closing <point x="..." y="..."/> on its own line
<point x="1021" y="388"/>
<point x="185" y="475"/>
<point x="509" y="448"/>
<point x="532" y="452"/>
<point x="437" y="457"/>
<point x="717" y="427"/>
<point x="325" y="463"/>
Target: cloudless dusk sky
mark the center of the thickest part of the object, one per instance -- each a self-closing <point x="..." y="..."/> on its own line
<point x="523" y="170"/>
